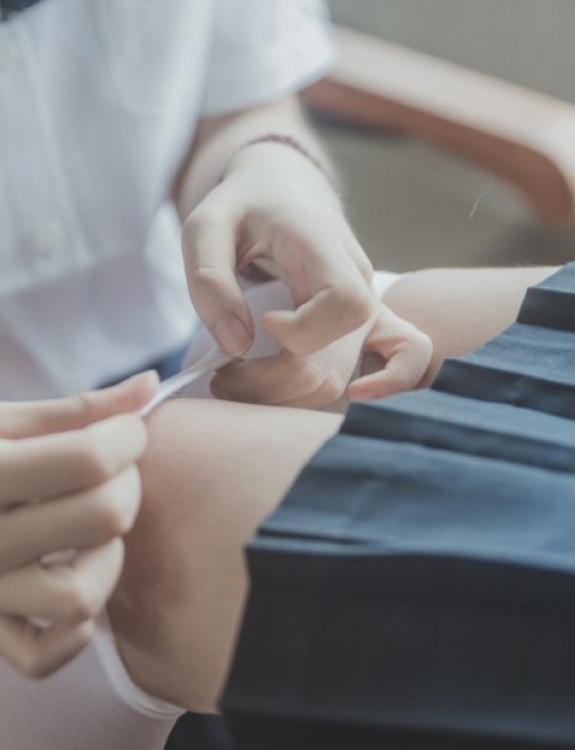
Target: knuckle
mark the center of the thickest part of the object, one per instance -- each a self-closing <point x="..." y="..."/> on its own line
<point x="95" y="461"/>
<point x="112" y="521"/>
<point x="115" y="505"/>
<point x="74" y="599"/>
<point x="78" y="408"/>
<point x="419" y="344"/>
<point x="206" y="277"/>
<point x="209" y="285"/>
<point x="355" y="303"/>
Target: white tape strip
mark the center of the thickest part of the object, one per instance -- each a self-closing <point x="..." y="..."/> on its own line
<point x="214" y="360"/>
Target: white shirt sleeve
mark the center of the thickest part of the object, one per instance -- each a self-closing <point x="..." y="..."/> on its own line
<point x="264" y="49"/>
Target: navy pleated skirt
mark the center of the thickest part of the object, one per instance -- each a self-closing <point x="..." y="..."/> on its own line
<point x="416" y="588"/>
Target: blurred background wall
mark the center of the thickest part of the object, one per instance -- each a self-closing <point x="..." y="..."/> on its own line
<point x="412" y="205"/>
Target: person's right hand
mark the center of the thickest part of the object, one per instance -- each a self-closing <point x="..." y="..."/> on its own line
<point x="69" y="482"/>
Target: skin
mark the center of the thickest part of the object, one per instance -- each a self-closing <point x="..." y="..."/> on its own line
<point x="177" y="610"/>
<point x="178" y="607"/>
<point x="84" y="493"/>
<point x="269" y="204"/>
<point x="235" y="211"/>
<point x="238" y="205"/>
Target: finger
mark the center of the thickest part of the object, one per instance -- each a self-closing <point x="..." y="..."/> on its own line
<point x="209" y="247"/>
<point x="37" y="652"/>
<point x="331" y="297"/>
<point x="87" y="519"/>
<point x="72" y="593"/>
<point x="407" y="353"/>
<point x="328" y="315"/>
<point x="35" y="418"/>
<point x="57" y="465"/>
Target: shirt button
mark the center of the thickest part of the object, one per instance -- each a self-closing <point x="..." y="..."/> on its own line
<point x="47" y="240"/>
<point x="8" y="52"/>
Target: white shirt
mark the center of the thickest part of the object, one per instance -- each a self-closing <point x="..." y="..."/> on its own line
<point x="99" y="100"/>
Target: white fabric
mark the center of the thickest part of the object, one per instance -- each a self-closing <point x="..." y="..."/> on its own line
<point x="129" y="694"/>
<point x="99" y="100"/>
<point x="274" y="295"/>
<point x="91" y="704"/>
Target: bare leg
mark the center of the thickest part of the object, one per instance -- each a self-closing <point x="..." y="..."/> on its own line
<point x="460" y="309"/>
<point x="213" y="472"/>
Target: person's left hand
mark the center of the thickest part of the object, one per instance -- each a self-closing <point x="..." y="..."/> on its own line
<point x="276" y="205"/>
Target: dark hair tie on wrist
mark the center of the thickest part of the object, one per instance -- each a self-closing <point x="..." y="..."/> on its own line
<point x="293" y="143"/>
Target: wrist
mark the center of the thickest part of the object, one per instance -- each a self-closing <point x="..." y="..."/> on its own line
<point x="295" y="150"/>
<point x="290" y="142"/>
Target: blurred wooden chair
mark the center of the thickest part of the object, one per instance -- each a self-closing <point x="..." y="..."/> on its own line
<point x="525" y="138"/>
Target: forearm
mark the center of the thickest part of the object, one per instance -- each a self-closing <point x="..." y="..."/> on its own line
<point x="219" y="138"/>
<point x="461" y="309"/>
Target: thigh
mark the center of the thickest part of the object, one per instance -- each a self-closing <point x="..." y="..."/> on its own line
<point x="416" y="583"/>
<point x="212" y="473"/>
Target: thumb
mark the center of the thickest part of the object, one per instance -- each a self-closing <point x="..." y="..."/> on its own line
<point x="406" y="352"/>
<point x="35" y="418"/>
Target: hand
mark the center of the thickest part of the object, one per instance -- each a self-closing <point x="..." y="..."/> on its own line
<point x="318" y="380"/>
<point x="396" y="357"/>
<point x="277" y="206"/>
<point x="69" y="482"/>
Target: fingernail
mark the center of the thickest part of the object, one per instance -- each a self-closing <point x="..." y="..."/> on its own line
<point x="150" y="377"/>
<point x="232" y="335"/>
